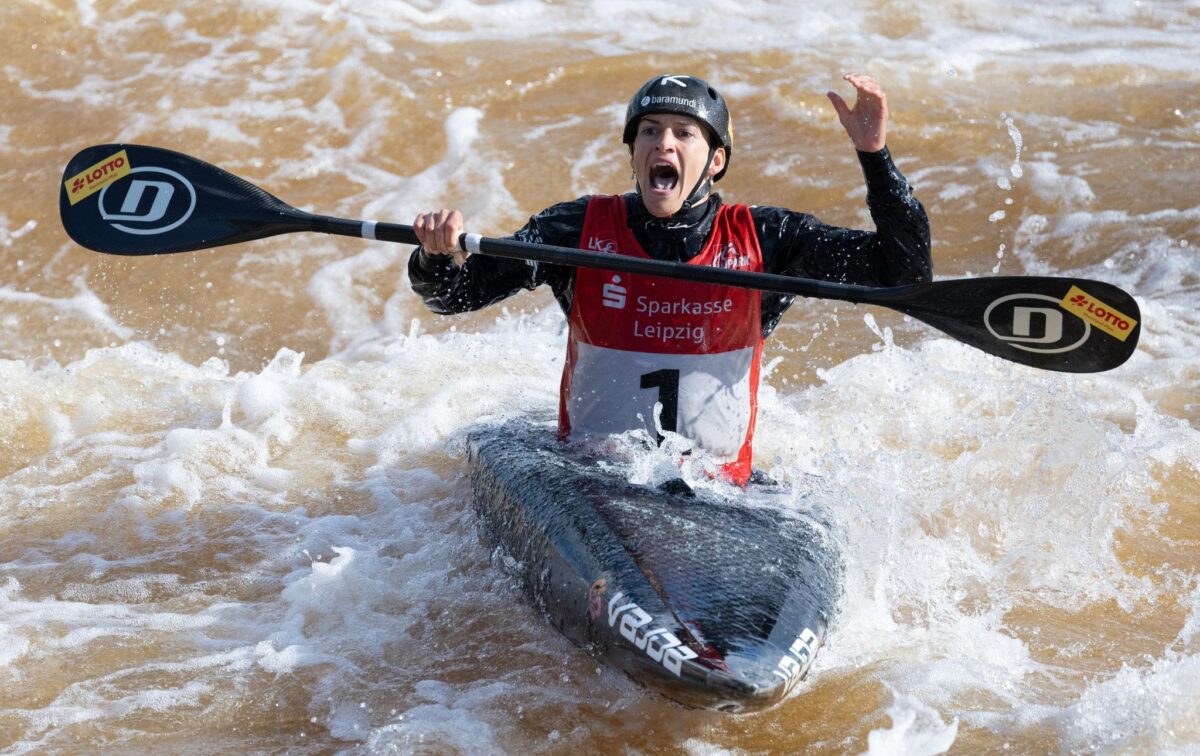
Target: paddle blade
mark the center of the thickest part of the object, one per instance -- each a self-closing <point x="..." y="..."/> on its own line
<point x="129" y="199"/>
<point x="1071" y="325"/>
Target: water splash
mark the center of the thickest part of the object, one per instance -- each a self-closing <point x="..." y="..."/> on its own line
<point x="1014" y="134"/>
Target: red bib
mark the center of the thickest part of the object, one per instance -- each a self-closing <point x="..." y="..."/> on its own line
<point x="637" y="341"/>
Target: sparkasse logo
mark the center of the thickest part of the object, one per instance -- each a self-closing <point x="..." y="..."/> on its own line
<point x="613" y="294"/>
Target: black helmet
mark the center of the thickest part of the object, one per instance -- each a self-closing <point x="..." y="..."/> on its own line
<point x="685" y="95"/>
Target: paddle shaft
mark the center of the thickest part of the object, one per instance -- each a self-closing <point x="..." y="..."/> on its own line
<point x="546" y="253"/>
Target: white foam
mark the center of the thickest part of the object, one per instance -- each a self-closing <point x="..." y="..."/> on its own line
<point x="85" y="304"/>
<point x="1151" y="708"/>
<point x="1049" y="184"/>
<point x="7" y="237"/>
<point x="448" y="721"/>
<point x="916" y="730"/>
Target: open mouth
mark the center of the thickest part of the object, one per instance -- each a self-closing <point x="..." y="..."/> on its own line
<point x="663" y="177"/>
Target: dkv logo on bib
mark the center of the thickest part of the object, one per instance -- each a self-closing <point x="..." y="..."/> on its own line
<point x="607" y="246"/>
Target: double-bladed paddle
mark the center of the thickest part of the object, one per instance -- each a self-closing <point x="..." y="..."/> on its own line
<point x="129" y="199"/>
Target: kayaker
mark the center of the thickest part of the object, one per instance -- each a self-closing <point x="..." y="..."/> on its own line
<point x="668" y="355"/>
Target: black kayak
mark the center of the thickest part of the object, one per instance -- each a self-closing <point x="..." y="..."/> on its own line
<point x="713" y="601"/>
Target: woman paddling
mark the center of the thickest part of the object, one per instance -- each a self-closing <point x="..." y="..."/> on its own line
<point x="667" y="355"/>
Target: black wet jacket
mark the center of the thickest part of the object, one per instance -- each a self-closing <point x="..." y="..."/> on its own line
<point x="793" y="244"/>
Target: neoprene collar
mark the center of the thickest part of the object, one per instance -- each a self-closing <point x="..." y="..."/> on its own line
<point x="680" y="237"/>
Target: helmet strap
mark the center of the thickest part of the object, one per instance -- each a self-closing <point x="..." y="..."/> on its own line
<point x="702" y="187"/>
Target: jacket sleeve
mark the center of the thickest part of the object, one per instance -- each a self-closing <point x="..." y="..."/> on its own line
<point x="896" y="252"/>
<point x="482" y="280"/>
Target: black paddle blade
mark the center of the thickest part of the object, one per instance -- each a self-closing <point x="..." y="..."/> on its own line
<point x="1071" y="325"/>
<point x="129" y="199"/>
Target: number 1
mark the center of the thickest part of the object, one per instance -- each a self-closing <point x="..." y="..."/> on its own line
<point x="667" y="383"/>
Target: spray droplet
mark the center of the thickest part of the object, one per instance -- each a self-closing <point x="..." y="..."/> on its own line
<point x="1015" y="135"/>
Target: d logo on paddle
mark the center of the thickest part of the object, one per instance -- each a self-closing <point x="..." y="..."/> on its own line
<point x="1035" y="323"/>
<point x="149" y="201"/>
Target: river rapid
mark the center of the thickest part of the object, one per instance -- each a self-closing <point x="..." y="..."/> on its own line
<point x="233" y="511"/>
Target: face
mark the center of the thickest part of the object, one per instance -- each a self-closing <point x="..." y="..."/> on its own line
<point x="669" y="153"/>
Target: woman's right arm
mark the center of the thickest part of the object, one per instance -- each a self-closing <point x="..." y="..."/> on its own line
<point x="451" y="281"/>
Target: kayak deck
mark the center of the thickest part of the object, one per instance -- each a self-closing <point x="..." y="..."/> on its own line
<point x="713" y="602"/>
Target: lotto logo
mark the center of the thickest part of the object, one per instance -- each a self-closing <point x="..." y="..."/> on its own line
<point x="91" y="180"/>
<point x="1099" y="314"/>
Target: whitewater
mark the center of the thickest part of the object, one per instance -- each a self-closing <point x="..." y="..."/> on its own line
<point x="233" y="507"/>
